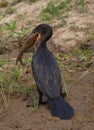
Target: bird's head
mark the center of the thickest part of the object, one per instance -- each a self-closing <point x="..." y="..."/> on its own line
<point x="38" y="37"/>
<point x="44" y="32"/>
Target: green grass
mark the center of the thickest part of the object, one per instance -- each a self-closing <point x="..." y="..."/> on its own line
<point x="11" y="30"/>
<point x="30" y="1"/>
<point x="11" y="27"/>
<point x="10" y="9"/>
<point x="3" y="89"/>
<point x="23" y="32"/>
<point x="83" y="56"/>
<point x="65" y="5"/>
<point x="25" y="90"/>
<point x="8" y="80"/>
<point x="26" y="61"/>
<point x="81" y="4"/>
<point x="11" y="84"/>
<point x="58" y="10"/>
<point x="49" y="12"/>
<point x="1" y="31"/>
<point x="75" y="59"/>
<point x="2" y="62"/>
<point x="35" y="103"/>
<point x="16" y="74"/>
<point x="52" y="11"/>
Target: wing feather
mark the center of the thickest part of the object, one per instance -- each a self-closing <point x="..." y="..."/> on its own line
<point x="46" y="73"/>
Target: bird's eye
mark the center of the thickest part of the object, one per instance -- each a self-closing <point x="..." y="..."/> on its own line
<point x="43" y="32"/>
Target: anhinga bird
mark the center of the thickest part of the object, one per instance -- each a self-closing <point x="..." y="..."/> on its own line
<point x="46" y="72"/>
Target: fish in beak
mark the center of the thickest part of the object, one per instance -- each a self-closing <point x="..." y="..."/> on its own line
<point x="28" y="43"/>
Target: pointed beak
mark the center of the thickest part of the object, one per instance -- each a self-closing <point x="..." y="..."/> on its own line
<point x="29" y="42"/>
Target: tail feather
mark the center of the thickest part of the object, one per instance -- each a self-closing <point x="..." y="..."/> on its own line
<point x="60" y="108"/>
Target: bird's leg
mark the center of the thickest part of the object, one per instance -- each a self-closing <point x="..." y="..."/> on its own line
<point x="63" y="94"/>
<point x="40" y="97"/>
<point x="40" y="102"/>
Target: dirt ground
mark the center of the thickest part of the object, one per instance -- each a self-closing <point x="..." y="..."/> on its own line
<point x="20" y="117"/>
<point x="80" y="85"/>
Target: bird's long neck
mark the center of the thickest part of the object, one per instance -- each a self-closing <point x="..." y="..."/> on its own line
<point x="41" y="45"/>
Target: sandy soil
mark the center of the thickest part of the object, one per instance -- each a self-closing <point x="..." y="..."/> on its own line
<point x="80" y="90"/>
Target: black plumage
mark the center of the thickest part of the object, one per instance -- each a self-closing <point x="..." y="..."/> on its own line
<point x="46" y="72"/>
<point x="47" y="76"/>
